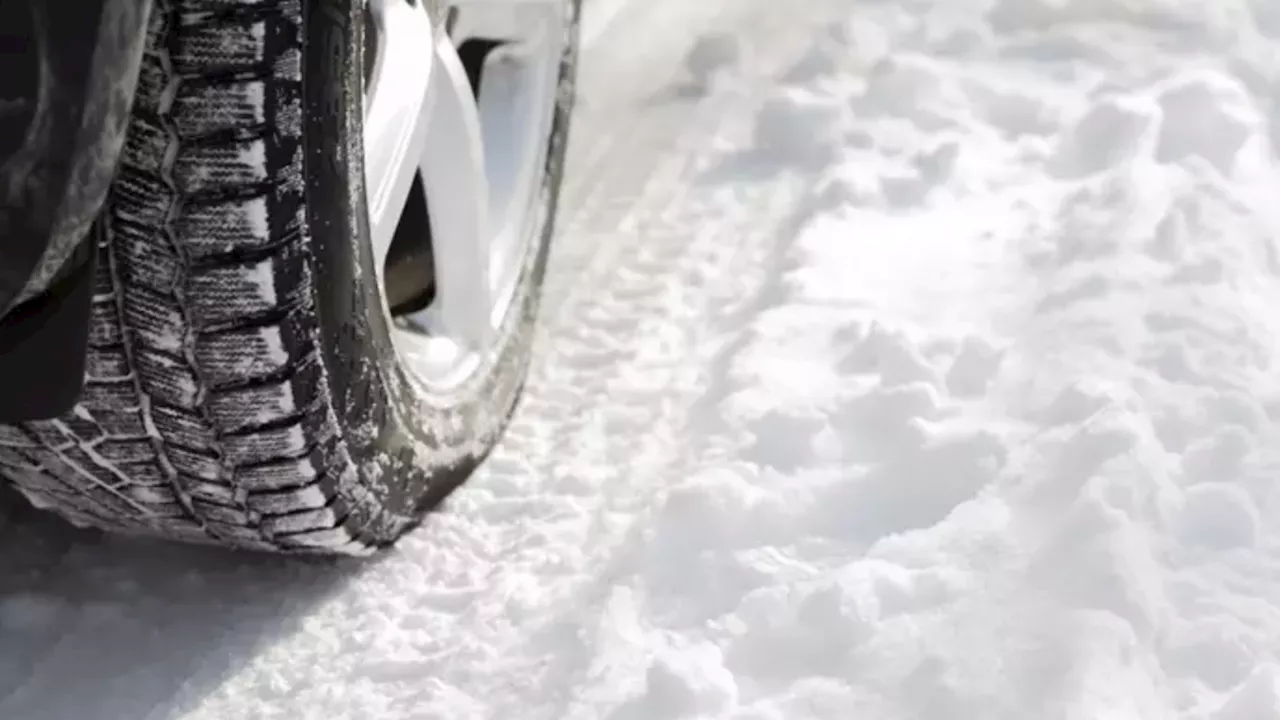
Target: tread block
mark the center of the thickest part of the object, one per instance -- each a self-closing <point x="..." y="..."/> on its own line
<point x="194" y="464"/>
<point x="123" y="423"/>
<point x="266" y="403"/>
<point x="238" y="355"/>
<point x="216" y="493"/>
<point x="98" y="499"/>
<point x="139" y="200"/>
<point x="148" y="494"/>
<point x="90" y="466"/>
<point x="182" y="529"/>
<point x="201" y="110"/>
<point x="225" y="227"/>
<point x="356" y="514"/>
<point x="168" y="378"/>
<point x="227" y="294"/>
<point x="11" y="457"/>
<point x="168" y="509"/>
<point x="103" y="395"/>
<point x="148" y="261"/>
<point x="154" y="319"/>
<point x="146" y="146"/>
<point x="164" y="511"/>
<point x="104" y="331"/>
<point x="146" y="473"/>
<point x="318" y="493"/>
<point x="129" y="450"/>
<point x="281" y="474"/>
<point x="133" y="455"/>
<point x="11" y="436"/>
<point x="106" y="363"/>
<point x="152" y="77"/>
<point x="241" y="536"/>
<point x="219" y="513"/>
<point x="208" y="6"/>
<point x="304" y="521"/>
<point x="312" y="497"/>
<point x="330" y="539"/>
<point x="104" y="288"/>
<point x="82" y="431"/>
<point x="183" y="427"/>
<point x="264" y="445"/>
<point x="47" y="436"/>
<point x="220" y="47"/>
<point x="212" y="168"/>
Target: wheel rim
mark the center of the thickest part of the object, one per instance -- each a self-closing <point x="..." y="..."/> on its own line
<point x="457" y="131"/>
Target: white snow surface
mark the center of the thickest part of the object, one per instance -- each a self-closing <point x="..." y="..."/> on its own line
<point x="901" y="360"/>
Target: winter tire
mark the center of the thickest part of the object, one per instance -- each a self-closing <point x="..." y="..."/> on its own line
<point x="273" y="365"/>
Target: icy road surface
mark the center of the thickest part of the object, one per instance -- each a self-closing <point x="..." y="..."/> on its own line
<point x="902" y="360"/>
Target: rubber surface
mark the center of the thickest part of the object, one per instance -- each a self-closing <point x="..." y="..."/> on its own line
<point x="65" y="95"/>
<point x="70" y="72"/>
<point x="239" y="390"/>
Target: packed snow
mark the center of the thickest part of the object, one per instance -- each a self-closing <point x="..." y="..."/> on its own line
<point x="908" y="359"/>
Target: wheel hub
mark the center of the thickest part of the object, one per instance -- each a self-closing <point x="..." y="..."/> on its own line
<point x="457" y="129"/>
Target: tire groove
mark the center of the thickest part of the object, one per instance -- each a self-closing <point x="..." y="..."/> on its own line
<point x="168" y="97"/>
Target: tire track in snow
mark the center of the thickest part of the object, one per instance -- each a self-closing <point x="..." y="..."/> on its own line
<point x="560" y="497"/>
<point x="207" y="630"/>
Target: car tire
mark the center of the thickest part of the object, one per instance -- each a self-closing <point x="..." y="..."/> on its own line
<point x="242" y="385"/>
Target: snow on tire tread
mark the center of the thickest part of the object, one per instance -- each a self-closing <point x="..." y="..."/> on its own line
<point x="206" y="414"/>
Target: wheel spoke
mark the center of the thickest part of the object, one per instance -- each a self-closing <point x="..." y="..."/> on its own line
<point x="453" y="173"/>
<point x="396" y="112"/>
<point x="518" y="83"/>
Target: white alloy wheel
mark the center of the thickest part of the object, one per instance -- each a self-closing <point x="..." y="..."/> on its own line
<point x="467" y="112"/>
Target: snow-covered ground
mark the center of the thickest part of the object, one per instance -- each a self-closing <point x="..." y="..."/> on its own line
<point x="902" y="360"/>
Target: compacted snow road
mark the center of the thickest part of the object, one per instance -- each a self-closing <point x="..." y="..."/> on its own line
<point x="912" y="359"/>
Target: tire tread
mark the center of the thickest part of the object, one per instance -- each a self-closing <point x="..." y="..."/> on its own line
<point x="206" y="414"/>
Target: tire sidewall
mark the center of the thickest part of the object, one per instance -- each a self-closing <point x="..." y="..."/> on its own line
<point x="411" y="446"/>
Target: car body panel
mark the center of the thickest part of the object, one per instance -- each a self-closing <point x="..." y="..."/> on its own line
<point x="71" y="67"/>
<point x="43" y="346"/>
